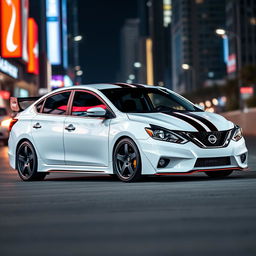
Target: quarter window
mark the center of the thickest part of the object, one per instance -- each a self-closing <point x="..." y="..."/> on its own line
<point x="56" y="104"/>
<point x="84" y="101"/>
<point x="39" y="106"/>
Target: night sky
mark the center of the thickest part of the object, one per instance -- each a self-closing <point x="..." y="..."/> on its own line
<point x="100" y="22"/>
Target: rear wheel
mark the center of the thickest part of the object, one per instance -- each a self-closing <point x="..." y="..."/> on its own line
<point x="219" y="174"/>
<point x="26" y="160"/>
<point x="127" y="161"/>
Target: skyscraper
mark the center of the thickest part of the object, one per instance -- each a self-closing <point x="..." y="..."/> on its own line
<point x="197" y="53"/>
<point x="241" y="34"/>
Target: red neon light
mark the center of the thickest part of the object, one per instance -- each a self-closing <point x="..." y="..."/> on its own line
<point x="231" y="67"/>
<point x="246" y="90"/>
<point x="11" y="36"/>
<point x="5" y="95"/>
<point x="33" y="51"/>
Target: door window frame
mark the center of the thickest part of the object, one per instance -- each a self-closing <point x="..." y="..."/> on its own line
<point x="44" y="100"/>
<point x="69" y="110"/>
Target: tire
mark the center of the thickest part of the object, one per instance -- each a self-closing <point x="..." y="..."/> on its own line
<point x="127" y="161"/>
<point x="218" y="174"/>
<point x="26" y="162"/>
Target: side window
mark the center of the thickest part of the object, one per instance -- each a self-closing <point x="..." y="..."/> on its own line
<point x="84" y="101"/>
<point x="56" y="104"/>
<point x="39" y="106"/>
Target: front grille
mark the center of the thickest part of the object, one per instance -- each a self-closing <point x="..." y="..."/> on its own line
<point x="210" y="139"/>
<point x="215" y="161"/>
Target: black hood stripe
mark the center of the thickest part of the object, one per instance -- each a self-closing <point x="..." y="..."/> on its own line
<point x="206" y="122"/>
<point x="192" y="122"/>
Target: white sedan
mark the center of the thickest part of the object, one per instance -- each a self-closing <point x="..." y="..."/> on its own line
<point x="128" y="130"/>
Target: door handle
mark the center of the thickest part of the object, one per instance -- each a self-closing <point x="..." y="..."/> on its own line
<point x="70" y="127"/>
<point x="37" y="126"/>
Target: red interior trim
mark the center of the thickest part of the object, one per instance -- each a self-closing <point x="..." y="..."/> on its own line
<point x="82" y="109"/>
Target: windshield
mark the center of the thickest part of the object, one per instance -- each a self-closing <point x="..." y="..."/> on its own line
<point x="147" y="100"/>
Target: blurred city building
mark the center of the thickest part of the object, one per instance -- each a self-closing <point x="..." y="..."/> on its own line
<point x="62" y="39"/>
<point x="197" y="53"/>
<point x="38" y="46"/>
<point x="129" y="50"/>
<point x="240" y="33"/>
<point x="19" y="68"/>
<point x="146" y="45"/>
<point x="160" y="33"/>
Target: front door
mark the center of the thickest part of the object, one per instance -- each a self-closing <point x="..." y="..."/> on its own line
<point x="86" y="138"/>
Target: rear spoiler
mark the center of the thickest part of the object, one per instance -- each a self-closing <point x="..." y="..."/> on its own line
<point x="20" y="104"/>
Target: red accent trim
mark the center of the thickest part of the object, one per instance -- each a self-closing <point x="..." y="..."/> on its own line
<point x="202" y="170"/>
<point x="76" y="171"/>
<point x="12" y="123"/>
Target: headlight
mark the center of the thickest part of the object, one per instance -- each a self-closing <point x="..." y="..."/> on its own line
<point x="159" y="133"/>
<point x="238" y="134"/>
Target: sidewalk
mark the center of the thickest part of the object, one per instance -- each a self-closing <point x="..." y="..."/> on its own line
<point x="247" y="120"/>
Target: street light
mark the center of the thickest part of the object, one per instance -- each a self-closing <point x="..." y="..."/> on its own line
<point x="187" y="67"/>
<point x="79" y="73"/>
<point x="137" y="64"/>
<point x="78" y="38"/>
<point x="222" y="32"/>
<point x="131" y="76"/>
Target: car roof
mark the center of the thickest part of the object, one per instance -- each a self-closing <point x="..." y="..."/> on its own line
<point x="102" y="86"/>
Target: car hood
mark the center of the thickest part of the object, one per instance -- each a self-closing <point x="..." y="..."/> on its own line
<point x="184" y="121"/>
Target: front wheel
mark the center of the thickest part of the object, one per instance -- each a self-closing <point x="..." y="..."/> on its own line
<point x="127" y="161"/>
<point x="26" y="160"/>
<point x="219" y="174"/>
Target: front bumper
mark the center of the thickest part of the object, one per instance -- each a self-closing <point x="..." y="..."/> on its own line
<point x="182" y="157"/>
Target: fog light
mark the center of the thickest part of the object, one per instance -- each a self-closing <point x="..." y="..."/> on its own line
<point x="243" y="158"/>
<point x="163" y="162"/>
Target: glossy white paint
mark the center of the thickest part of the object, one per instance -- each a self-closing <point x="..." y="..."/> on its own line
<point x="89" y="147"/>
<point x="48" y="138"/>
<point x="88" y="143"/>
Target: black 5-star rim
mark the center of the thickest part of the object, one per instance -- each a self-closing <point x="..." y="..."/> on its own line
<point x="27" y="162"/>
<point x="127" y="163"/>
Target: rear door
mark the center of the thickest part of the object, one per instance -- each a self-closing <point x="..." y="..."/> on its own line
<point x="86" y="138"/>
<point x="48" y="128"/>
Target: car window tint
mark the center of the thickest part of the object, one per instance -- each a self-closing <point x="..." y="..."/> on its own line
<point x="3" y="112"/>
<point x="147" y="100"/>
<point x="84" y="101"/>
<point x="161" y="100"/>
<point x="38" y="106"/>
<point x="56" y="104"/>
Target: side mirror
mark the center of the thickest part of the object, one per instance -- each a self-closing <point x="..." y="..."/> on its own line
<point x="201" y="107"/>
<point x="96" y="112"/>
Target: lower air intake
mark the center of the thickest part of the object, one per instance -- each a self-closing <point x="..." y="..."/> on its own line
<point x="209" y="162"/>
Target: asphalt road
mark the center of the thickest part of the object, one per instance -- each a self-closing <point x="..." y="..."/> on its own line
<point x="95" y="215"/>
